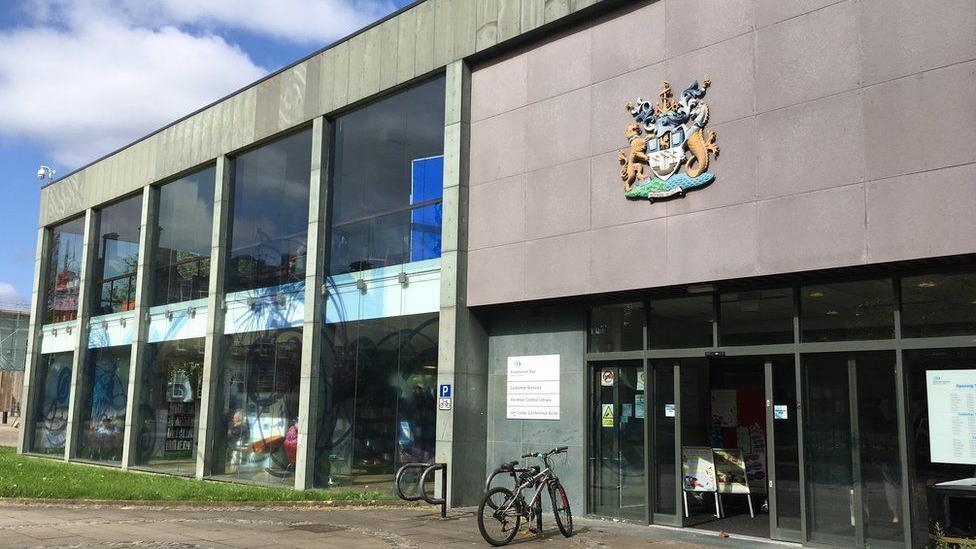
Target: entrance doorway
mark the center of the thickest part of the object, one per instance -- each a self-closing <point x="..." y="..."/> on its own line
<point x="739" y="432"/>
<point x="618" y="483"/>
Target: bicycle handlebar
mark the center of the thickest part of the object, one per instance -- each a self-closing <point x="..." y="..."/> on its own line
<point x="558" y="450"/>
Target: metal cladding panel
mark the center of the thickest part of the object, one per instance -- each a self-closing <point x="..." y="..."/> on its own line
<point x="419" y="40"/>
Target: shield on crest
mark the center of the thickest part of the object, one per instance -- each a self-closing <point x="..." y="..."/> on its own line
<point x="665" y="162"/>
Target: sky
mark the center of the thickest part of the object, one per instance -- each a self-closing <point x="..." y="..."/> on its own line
<point x="82" y="78"/>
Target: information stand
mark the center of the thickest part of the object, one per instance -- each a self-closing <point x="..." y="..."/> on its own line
<point x="730" y="474"/>
<point x="698" y="474"/>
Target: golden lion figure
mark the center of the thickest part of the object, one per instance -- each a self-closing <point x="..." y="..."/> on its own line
<point x="634" y="159"/>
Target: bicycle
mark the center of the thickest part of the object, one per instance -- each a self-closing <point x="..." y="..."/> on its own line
<point x="503" y="510"/>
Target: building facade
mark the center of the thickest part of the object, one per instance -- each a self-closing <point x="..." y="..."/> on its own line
<point x="723" y="251"/>
<point x="13" y="348"/>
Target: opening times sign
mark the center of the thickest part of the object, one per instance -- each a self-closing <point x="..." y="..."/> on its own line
<point x="533" y="387"/>
<point x="952" y="416"/>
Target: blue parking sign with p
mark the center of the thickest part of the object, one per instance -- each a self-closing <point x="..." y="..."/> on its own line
<point x="444" y="391"/>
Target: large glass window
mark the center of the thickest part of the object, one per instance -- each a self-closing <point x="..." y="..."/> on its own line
<point x="681" y="322"/>
<point x="116" y="257"/>
<point x="930" y="467"/>
<point x="386" y="205"/>
<point x="50" y="420"/>
<point x="269" y="224"/>
<point x="64" y="271"/>
<point x="182" y="255"/>
<point x="938" y="305"/>
<point x="169" y="406"/>
<point x="847" y="311"/>
<point x="105" y="380"/>
<point x="379" y="399"/>
<point x="756" y="318"/>
<point x="617" y="327"/>
<point x="256" y="437"/>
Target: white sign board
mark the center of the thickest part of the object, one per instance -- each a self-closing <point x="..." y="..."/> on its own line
<point x="533" y="387"/>
<point x="952" y="416"/>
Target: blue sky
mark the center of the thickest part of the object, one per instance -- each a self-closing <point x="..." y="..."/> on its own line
<point x="81" y="78"/>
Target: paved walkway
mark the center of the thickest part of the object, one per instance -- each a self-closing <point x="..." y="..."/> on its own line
<point x="64" y="526"/>
<point x="8" y="435"/>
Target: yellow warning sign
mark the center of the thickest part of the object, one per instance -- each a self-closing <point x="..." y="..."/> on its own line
<point x="607" y="415"/>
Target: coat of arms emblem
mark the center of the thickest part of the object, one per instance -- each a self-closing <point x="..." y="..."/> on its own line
<point x="664" y="138"/>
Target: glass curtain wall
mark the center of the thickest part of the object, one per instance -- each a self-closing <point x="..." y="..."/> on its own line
<point x="50" y="421"/>
<point x="104" y="392"/>
<point x="269" y="226"/>
<point x="64" y="271"/>
<point x="386" y="209"/>
<point x="379" y="399"/>
<point x="181" y="260"/>
<point x="116" y="257"/>
<point x="379" y="359"/>
<point x="256" y="434"/>
<point x="169" y="406"/>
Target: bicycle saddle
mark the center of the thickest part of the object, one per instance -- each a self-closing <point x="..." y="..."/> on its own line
<point x="509" y="465"/>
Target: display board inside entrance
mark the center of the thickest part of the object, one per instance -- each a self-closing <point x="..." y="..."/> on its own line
<point x="697" y="469"/>
<point x="730" y="471"/>
<point x="952" y="415"/>
<point x="533" y="387"/>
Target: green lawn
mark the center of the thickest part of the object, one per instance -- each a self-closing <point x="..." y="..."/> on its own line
<point x="30" y="477"/>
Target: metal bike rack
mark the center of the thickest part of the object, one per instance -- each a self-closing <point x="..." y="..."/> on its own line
<point x="428" y="468"/>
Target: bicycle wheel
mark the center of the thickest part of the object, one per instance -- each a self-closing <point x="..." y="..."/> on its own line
<point x="560" y="508"/>
<point x="499" y="516"/>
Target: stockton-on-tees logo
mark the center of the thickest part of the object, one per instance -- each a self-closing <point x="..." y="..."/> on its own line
<point x="663" y="138"/>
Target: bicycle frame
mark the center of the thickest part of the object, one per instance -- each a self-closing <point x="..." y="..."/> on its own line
<point x="543" y="478"/>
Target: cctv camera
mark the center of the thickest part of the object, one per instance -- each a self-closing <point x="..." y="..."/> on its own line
<point x="41" y="173"/>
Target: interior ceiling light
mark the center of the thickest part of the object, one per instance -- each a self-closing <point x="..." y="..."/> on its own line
<point x="927" y="284"/>
<point x="816" y="294"/>
<point x="832" y="313"/>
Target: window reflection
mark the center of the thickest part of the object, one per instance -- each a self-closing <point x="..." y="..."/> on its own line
<point x="378" y="387"/>
<point x="182" y="255"/>
<point x="257" y="429"/>
<point x="104" y="395"/>
<point x="681" y="322"/>
<point x="116" y="257"/>
<point x="938" y="305"/>
<point x="756" y="317"/>
<point x="618" y="327"/>
<point x="51" y="407"/>
<point x="847" y="311"/>
<point x="169" y="406"/>
<point x="386" y="208"/>
<point x="64" y="271"/>
<point x="270" y="214"/>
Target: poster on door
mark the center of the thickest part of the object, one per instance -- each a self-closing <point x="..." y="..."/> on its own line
<point x="952" y="416"/>
<point x="697" y="469"/>
<point x="606" y="415"/>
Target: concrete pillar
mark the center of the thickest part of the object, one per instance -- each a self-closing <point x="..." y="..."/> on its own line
<point x="215" y="316"/>
<point x="81" y="334"/>
<point x="462" y="340"/>
<point x="148" y="231"/>
<point x="317" y="252"/>
<point x="28" y="393"/>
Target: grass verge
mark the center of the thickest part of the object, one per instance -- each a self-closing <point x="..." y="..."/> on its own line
<point x="37" y="478"/>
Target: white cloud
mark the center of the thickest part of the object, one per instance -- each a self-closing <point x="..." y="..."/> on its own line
<point x="91" y="84"/>
<point x="303" y="21"/>
<point x="10" y="295"/>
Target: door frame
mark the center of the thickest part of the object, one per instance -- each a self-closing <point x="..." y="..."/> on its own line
<point x="593" y="366"/>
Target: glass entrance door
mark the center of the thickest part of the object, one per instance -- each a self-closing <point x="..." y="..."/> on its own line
<point x="853" y="464"/>
<point x="618" y="484"/>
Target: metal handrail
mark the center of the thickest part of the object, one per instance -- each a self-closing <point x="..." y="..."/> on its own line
<point x="422" y="488"/>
